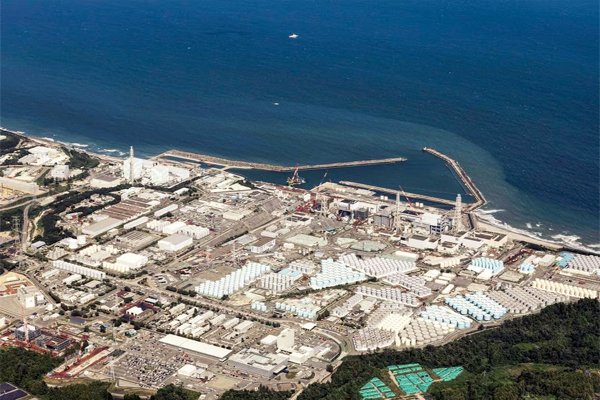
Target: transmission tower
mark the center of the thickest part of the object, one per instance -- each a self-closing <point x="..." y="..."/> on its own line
<point x="234" y="256"/>
<point x="457" y="225"/>
<point x="17" y="233"/>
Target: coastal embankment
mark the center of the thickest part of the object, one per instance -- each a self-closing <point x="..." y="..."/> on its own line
<point x="210" y="160"/>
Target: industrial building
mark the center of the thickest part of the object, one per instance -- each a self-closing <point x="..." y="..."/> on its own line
<point x="264" y="244"/>
<point x="175" y="242"/>
<point x="285" y="340"/>
<point x="34" y="332"/>
<point x="101" y="227"/>
<point x="60" y="172"/>
<point x="194" y="346"/>
<point x="30" y="296"/>
<point x="260" y="363"/>
<point x="127" y="262"/>
<point x="102" y="181"/>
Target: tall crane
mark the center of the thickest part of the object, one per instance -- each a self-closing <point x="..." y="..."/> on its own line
<point x="317" y="194"/>
<point x="404" y="194"/>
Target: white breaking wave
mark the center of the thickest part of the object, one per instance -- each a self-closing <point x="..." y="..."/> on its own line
<point x="79" y="145"/>
<point x="490" y="211"/>
<point x="528" y="225"/>
<point x="109" y="150"/>
<point x="48" y="139"/>
<point x="567" y="238"/>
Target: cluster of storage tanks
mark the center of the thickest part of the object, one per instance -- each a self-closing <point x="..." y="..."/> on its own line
<point x="569" y="290"/>
<point x="421" y="332"/>
<point x="465" y="307"/>
<point x="234" y="281"/>
<point x="482" y="263"/>
<point x="446" y="316"/>
<point x="74" y="243"/>
<point x="333" y="274"/>
<point x="527" y="268"/>
<point x="372" y="338"/>
<point x="78" y="269"/>
<point x="302" y="266"/>
<point x="518" y="300"/>
<point x="259" y="306"/>
<point x="390" y="294"/>
<point x="414" y="284"/>
<point x="487" y="304"/>
<point x="95" y="248"/>
<point x="587" y="264"/>
<point x="300" y="311"/>
<point x="394" y="322"/>
<point x="377" y="266"/>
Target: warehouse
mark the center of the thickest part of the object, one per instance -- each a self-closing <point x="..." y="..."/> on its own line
<point x="132" y="261"/>
<point x="100" y="227"/>
<point x="196" y="347"/>
<point x="174" y="242"/>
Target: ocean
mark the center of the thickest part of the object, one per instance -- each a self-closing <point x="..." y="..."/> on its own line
<point x="508" y="88"/>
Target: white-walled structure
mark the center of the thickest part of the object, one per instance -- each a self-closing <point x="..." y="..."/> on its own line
<point x="78" y="269"/>
<point x="174" y="242"/>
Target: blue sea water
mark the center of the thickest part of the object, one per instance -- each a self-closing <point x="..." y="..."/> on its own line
<point x="509" y="88"/>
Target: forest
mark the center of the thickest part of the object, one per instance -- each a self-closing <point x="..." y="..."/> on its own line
<point x="562" y="335"/>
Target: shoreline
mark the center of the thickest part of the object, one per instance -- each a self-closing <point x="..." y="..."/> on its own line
<point x="483" y="223"/>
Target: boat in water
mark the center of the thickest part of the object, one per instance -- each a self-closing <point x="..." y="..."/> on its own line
<point x="293" y="36"/>
<point x="295" y="180"/>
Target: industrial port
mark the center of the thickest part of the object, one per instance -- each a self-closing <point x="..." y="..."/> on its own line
<point x="159" y="271"/>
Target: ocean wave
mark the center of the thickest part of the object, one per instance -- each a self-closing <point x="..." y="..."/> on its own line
<point x="80" y="145"/>
<point x="490" y="211"/>
<point x="48" y="139"/>
<point x="566" y="240"/>
<point x="108" y="150"/>
<point x="528" y="225"/>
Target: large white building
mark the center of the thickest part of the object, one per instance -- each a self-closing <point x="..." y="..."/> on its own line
<point x="264" y="244"/>
<point x="30" y="296"/>
<point x="101" y="227"/>
<point x="174" y="242"/>
<point x="104" y="181"/>
<point x="285" y="340"/>
<point x="60" y="172"/>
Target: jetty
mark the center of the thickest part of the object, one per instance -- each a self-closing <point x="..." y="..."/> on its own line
<point x="206" y="159"/>
<point x="461" y="176"/>
<point x="464" y="178"/>
<point x="406" y="194"/>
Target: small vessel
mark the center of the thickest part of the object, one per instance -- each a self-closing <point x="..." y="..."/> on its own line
<point x="295" y="180"/>
<point x="293" y="36"/>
